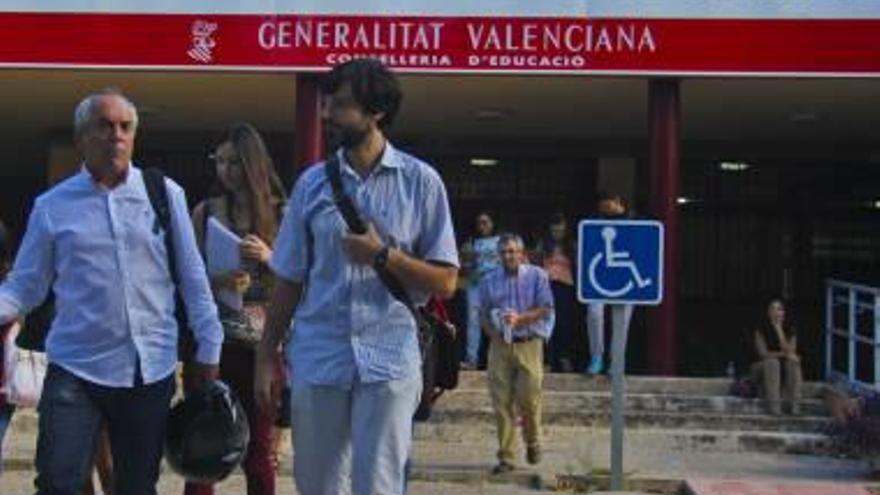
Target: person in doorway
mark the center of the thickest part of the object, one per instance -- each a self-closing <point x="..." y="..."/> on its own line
<point x="516" y="309"/>
<point x="556" y="253"/>
<point x="354" y="356"/>
<point x="250" y="205"/>
<point x="479" y="258"/>
<point x="778" y="368"/>
<point x="96" y="241"/>
<point x="610" y="206"/>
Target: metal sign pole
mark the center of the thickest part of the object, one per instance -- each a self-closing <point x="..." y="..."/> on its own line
<point x="618" y="393"/>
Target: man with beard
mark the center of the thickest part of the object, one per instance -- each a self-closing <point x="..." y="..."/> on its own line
<point x="354" y="356"/>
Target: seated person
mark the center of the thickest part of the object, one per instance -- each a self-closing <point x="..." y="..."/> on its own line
<point x="778" y="370"/>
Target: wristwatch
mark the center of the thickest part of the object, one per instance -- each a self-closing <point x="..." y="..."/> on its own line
<point x="381" y="259"/>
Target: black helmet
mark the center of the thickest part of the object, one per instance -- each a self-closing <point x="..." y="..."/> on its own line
<point x="207" y="434"/>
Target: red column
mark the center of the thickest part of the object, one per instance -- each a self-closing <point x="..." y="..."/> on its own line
<point x="664" y="123"/>
<point x="309" y="139"/>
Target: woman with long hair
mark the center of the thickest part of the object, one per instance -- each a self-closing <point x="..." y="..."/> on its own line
<point x="556" y="254"/>
<point x="250" y="205"/>
<point x="778" y="368"/>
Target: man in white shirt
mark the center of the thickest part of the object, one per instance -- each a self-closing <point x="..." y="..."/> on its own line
<point x="96" y="241"/>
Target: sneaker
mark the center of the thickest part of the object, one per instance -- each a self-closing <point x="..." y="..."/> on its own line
<point x="533" y="455"/>
<point x="596" y="367"/>
<point x="502" y="468"/>
<point x="468" y="366"/>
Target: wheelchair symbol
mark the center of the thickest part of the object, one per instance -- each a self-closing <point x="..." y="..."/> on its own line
<point x="615" y="259"/>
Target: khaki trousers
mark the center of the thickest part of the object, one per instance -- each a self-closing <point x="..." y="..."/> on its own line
<point x="778" y="379"/>
<point x="515" y="373"/>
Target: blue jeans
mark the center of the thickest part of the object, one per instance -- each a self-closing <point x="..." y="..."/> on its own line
<point x="474" y="333"/>
<point x="71" y="412"/>
<point x="6" y="411"/>
<point x="353" y="440"/>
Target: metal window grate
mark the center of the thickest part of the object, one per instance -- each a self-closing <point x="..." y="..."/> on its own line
<point x="852" y="333"/>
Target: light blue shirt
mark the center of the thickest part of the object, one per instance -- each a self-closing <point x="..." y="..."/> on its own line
<point x="347" y="326"/>
<point x="103" y="254"/>
<point x="486" y="254"/>
<point x="526" y="290"/>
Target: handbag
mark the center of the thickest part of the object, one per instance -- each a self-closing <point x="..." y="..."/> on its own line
<point x="239" y="327"/>
<point x="24" y="372"/>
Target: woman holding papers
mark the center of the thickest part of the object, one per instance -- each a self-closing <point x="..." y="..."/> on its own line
<point x="235" y="230"/>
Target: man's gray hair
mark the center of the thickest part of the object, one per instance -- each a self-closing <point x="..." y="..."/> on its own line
<point x="85" y="111"/>
<point x="506" y="239"/>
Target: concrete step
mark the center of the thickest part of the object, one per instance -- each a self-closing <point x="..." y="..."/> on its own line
<point x="656" y="461"/>
<point x="576" y="382"/>
<point x="575" y="438"/>
<point x="645" y="419"/>
<point x="447" y="462"/>
<point x="563" y="401"/>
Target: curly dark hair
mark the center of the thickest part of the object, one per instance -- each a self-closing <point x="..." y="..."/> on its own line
<point x="373" y="86"/>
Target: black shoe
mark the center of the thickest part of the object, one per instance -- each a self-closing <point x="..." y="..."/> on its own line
<point x="533" y="455"/>
<point x="502" y="468"/>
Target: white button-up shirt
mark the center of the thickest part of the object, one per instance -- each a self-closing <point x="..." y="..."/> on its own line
<point x="103" y="253"/>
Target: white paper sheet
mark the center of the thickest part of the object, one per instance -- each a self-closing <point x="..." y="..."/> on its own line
<point x="223" y="252"/>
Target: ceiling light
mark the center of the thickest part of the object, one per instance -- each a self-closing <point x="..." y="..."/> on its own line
<point x="734" y="166"/>
<point x="683" y="200"/>
<point x="803" y="117"/>
<point x="484" y="162"/>
<point x="491" y="114"/>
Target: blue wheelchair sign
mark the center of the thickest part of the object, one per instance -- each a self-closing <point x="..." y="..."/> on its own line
<point x="620" y="261"/>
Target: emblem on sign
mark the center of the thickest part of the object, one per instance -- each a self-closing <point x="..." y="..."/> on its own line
<point x="203" y="43"/>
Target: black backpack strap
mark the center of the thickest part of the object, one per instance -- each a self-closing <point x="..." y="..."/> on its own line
<point x="355" y="224"/>
<point x="154" y="180"/>
<point x="343" y="202"/>
<point x="157" y="191"/>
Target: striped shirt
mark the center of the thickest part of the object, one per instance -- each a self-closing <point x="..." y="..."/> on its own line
<point x="348" y="326"/>
<point x="528" y="289"/>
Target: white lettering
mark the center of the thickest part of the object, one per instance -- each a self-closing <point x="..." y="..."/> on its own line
<point x="529" y="37"/>
<point x="553" y="37"/>
<point x="361" y="40"/>
<point x="604" y="41"/>
<point x="475" y="33"/>
<point x="421" y="41"/>
<point x="303" y="34"/>
<point x="266" y="36"/>
<point x="570" y="43"/>
<point x="323" y="40"/>
<point x="341" y="38"/>
<point x="626" y="38"/>
<point x="647" y="40"/>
